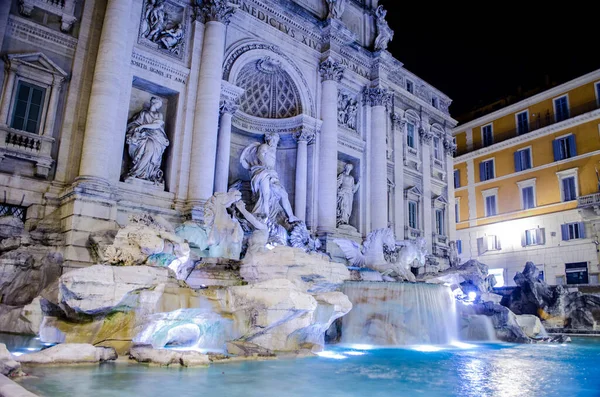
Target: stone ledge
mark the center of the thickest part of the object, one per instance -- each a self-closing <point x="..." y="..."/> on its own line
<point x="9" y="388"/>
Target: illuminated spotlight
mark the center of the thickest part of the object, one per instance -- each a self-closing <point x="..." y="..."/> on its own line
<point x="330" y="354"/>
<point x="462" y="345"/>
<point x="353" y="353"/>
<point x="472" y="295"/>
<point x="361" y="347"/>
<point x="427" y="348"/>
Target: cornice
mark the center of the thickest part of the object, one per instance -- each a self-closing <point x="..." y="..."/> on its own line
<point x="530" y="136"/>
<point x="551" y="93"/>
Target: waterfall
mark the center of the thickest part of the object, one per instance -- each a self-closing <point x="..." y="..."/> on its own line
<point x="478" y="328"/>
<point x="390" y="314"/>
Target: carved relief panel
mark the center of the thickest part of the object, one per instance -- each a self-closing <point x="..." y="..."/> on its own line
<point x="163" y="27"/>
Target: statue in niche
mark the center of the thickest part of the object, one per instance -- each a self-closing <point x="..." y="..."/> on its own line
<point x="154" y="22"/>
<point x="271" y="199"/>
<point x="147" y="142"/>
<point x="226" y="234"/>
<point x="335" y="8"/>
<point x="384" y="33"/>
<point x="171" y="38"/>
<point x="346" y="188"/>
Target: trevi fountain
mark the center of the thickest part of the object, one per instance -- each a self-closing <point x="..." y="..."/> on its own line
<point x="183" y="224"/>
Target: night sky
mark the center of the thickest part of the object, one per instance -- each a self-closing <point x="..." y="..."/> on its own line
<point x="478" y="55"/>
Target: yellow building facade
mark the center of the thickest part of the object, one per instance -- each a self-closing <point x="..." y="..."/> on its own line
<point x="527" y="181"/>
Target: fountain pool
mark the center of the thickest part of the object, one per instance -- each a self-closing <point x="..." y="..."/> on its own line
<point x="497" y="369"/>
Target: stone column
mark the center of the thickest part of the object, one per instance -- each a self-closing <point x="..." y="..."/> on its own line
<point x="378" y="98"/>
<point x="426" y="137"/>
<point x="332" y="73"/>
<point x="228" y="108"/>
<point x="450" y="149"/>
<point x="399" y="123"/>
<point x="52" y="107"/>
<point x="304" y="138"/>
<point x="102" y="136"/>
<point x="7" y="97"/>
<point x="216" y="15"/>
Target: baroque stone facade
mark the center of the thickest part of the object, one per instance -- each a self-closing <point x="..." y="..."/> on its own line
<point x="205" y="86"/>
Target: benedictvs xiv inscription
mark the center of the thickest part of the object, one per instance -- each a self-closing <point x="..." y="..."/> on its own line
<point x="279" y="25"/>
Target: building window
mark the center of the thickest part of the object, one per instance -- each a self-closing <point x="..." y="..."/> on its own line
<point x="434" y="102"/>
<point x="457" y="211"/>
<point x="597" y="89"/>
<point x="490" y="199"/>
<point x="499" y="276"/>
<point x="456" y="179"/>
<point x="488" y="243"/>
<point x="577" y="273"/>
<point x="572" y="231"/>
<point x="564" y="147"/>
<point x="412" y="215"/>
<point x="410" y="135"/>
<point x="27" y="108"/>
<point x="533" y="237"/>
<point x="487" y="135"/>
<point x="541" y="275"/>
<point x="437" y="150"/>
<point x="459" y="246"/>
<point x="561" y="108"/>
<point x="439" y="222"/>
<point x="410" y="86"/>
<point x="486" y="170"/>
<point x="527" y="191"/>
<point x="568" y="184"/>
<point x="522" y="122"/>
<point x="523" y="159"/>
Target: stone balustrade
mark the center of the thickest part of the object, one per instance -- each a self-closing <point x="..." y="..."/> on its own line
<point x="63" y="8"/>
<point x="27" y="146"/>
<point x="589" y="200"/>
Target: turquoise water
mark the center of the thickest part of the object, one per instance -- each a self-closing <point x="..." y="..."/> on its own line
<point x="505" y="370"/>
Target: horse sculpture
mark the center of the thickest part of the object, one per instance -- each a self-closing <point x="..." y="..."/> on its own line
<point x="380" y="252"/>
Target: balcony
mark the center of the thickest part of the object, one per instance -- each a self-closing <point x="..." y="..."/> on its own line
<point x="65" y="9"/>
<point x="27" y="146"/>
<point x="539" y="120"/>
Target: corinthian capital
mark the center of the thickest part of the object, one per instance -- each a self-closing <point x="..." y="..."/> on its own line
<point x="425" y="133"/>
<point x="305" y="136"/>
<point x="228" y="106"/>
<point x="398" y="121"/>
<point x="331" y="70"/>
<point x="214" y="10"/>
<point x="377" y="96"/>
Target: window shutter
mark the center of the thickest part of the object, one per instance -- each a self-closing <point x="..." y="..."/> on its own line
<point x="482" y="172"/>
<point x="564" y="232"/>
<point x="524" y="239"/>
<point x="518" y="166"/>
<point x="459" y="246"/>
<point x="456" y="178"/>
<point x="572" y="147"/>
<point x="556" y="148"/>
<point x="581" y="230"/>
<point x="481" y="246"/>
<point x="541" y="236"/>
<point x="498" y="246"/>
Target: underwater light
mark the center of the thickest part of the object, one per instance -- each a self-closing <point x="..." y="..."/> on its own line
<point x="269" y="246"/>
<point x="17" y="354"/>
<point x="353" y="353"/>
<point x="462" y="345"/>
<point x="472" y="295"/>
<point x="427" y="348"/>
<point x="32" y="349"/>
<point x="361" y="347"/>
<point x="330" y="354"/>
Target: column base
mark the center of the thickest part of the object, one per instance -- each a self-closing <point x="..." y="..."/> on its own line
<point x="194" y="210"/>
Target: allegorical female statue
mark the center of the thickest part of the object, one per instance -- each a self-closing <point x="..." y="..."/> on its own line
<point x="147" y="142"/>
<point x="345" y="195"/>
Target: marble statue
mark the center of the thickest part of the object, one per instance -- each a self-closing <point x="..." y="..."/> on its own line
<point x="384" y="33"/>
<point x="453" y="258"/>
<point x="155" y="19"/>
<point x="226" y="234"/>
<point x="301" y="238"/>
<point x="270" y="197"/>
<point x="259" y="238"/>
<point x="380" y="253"/>
<point x="171" y="38"/>
<point x="346" y="188"/>
<point x="147" y="142"/>
<point x="336" y="8"/>
<point x="347" y="110"/>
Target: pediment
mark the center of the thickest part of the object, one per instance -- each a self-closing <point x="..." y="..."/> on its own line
<point x="36" y="60"/>
<point x="413" y="190"/>
<point x="440" y="200"/>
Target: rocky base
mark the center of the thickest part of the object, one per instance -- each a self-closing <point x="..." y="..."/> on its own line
<point x="8" y="365"/>
<point x="69" y="353"/>
<point x="164" y="357"/>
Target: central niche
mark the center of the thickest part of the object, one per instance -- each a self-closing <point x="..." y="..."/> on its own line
<point x="269" y="91"/>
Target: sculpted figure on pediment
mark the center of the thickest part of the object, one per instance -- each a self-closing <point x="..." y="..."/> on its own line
<point x="336" y="8"/>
